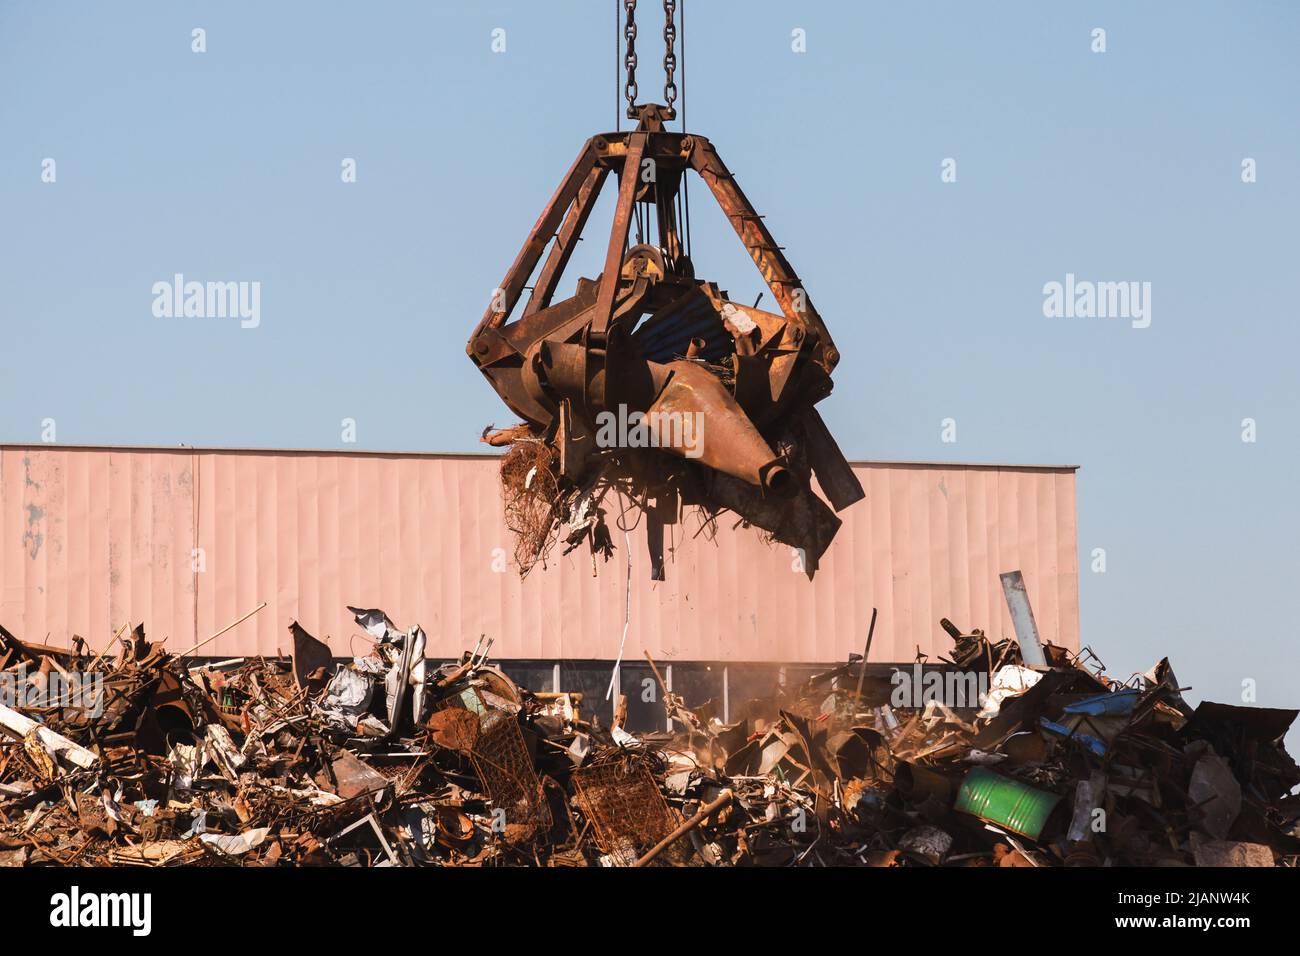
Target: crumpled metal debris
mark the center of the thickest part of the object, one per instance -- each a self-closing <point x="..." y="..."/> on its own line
<point x="389" y="760"/>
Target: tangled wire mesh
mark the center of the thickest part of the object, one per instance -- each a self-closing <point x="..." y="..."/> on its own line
<point x="530" y="490"/>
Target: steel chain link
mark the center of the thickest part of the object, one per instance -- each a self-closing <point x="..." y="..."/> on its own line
<point x="670" y="55"/>
<point x="629" y="61"/>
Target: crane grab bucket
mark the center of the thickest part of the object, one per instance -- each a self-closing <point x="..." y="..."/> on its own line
<point x="651" y="381"/>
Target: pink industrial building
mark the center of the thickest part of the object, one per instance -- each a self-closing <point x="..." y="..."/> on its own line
<point x="189" y="540"/>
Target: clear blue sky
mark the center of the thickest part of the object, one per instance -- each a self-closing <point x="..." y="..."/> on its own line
<point x="1123" y="165"/>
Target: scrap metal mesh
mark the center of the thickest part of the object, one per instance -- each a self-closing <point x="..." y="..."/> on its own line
<point x="530" y="489"/>
<point x="502" y="762"/>
<point x="625" y="806"/>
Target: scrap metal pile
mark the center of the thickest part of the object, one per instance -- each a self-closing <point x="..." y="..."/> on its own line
<point x="390" y="760"/>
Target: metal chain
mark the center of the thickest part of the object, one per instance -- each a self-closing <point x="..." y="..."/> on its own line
<point x="629" y="61"/>
<point x="670" y="57"/>
<point x="670" y="54"/>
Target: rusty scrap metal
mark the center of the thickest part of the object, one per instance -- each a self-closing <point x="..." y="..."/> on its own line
<point x="626" y="807"/>
<point x="501" y="760"/>
<point x="701" y="815"/>
<point x="388" y="760"/>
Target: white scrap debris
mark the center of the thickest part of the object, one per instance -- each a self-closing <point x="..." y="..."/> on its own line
<point x="1010" y="681"/>
<point x="983" y="758"/>
<point x="236" y="843"/>
<point x="741" y="322"/>
<point x="23" y="725"/>
<point x="224" y="753"/>
<point x="623" y="738"/>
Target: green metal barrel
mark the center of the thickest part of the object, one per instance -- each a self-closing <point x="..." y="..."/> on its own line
<point x="1008" y="803"/>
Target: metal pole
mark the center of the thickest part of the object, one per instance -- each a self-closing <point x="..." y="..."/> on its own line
<point x="1022" y="617"/>
<point x="701" y="815"/>
<point x="866" y="653"/>
<point x="223" y="630"/>
<point x="668" y="684"/>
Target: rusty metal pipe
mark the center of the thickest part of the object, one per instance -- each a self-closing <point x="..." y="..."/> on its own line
<point x="725" y="438"/>
<point x="701" y="815"/>
<point x="920" y="783"/>
<point x="778" y="481"/>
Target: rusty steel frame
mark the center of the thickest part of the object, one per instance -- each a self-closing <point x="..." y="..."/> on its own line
<point x="626" y="808"/>
<point x="501" y="760"/>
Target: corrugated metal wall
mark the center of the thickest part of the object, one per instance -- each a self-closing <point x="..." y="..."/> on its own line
<point x="90" y="537"/>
